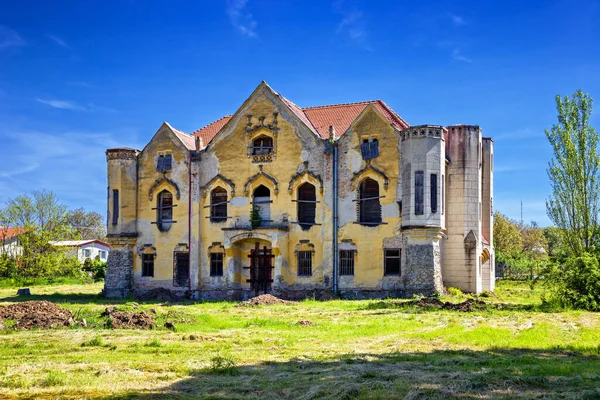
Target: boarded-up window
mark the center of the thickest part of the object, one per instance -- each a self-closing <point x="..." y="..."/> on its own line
<point x="216" y="264"/>
<point x="164" y="210"/>
<point x="181" y="269"/>
<point x="305" y="263"/>
<point x="392" y="262"/>
<point x="262" y="145"/>
<point x="147" y="264"/>
<point x="347" y="262"/>
<point x="369" y="207"/>
<point x="419" y="193"/>
<point x="164" y="163"/>
<point x="218" y="205"/>
<point x="307" y="205"/>
<point x="369" y="149"/>
<point x="115" y="210"/>
<point x="433" y="192"/>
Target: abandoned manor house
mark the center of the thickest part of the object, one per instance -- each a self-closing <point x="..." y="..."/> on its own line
<point x="299" y="202"/>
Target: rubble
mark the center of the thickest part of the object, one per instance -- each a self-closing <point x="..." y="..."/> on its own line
<point x="263" y="300"/>
<point x="37" y="314"/>
<point x="127" y="319"/>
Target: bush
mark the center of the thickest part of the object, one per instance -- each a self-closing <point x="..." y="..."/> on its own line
<point x="576" y="283"/>
<point x="96" y="268"/>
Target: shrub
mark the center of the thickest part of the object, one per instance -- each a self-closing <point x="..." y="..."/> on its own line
<point x="223" y="365"/>
<point x="452" y="291"/>
<point x="576" y="283"/>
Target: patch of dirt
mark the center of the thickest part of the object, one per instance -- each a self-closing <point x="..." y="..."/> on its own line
<point x="127" y="319"/>
<point x="159" y="294"/>
<point x="466" y="306"/>
<point x="305" y="323"/>
<point x="263" y="300"/>
<point x="37" y="314"/>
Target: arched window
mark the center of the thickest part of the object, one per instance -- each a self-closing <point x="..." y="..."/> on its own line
<point x="262" y="145"/>
<point x="261" y="206"/>
<point x="307" y="202"/>
<point x="164" y="210"/>
<point x="218" y="205"/>
<point x="369" y="207"/>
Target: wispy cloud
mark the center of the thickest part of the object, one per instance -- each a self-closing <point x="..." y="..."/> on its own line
<point x="9" y="38"/>
<point x="63" y="104"/>
<point x="240" y="18"/>
<point x="458" y="56"/>
<point x="58" y="41"/>
<point x="19" y="171"/>
<point x="352" y="24"/>
<point x="81" y="84"/>
<point x="456" y="19"/>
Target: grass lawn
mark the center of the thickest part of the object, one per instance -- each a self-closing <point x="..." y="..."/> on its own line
<point x="309" y="350"/>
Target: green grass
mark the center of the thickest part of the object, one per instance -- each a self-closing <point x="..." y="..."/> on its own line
<point x="351" y="349"/>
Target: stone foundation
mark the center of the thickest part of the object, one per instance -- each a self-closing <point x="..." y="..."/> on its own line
<point x="119" y="274"/>
<point x="423" y="270"/>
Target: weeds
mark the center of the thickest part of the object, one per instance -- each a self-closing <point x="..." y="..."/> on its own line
<point x="223" y="365"/>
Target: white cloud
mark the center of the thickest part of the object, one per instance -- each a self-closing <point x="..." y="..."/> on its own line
<point x="352" y="24"/>
<point x="9" y="38"/>
<point x="63" y="104"/>
<point x="58" y="41"/>
<point x="457" y="55"/>
<point x="240" y="18"/>
<point x="456" y="19"/>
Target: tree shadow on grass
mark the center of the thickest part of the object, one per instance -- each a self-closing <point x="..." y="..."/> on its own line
<point x="440" y="374"/>
<point x="415" y="307"/>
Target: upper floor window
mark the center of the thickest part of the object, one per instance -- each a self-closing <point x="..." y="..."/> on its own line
<point x="164" y="210"/>
<point x="433" y="193"/>
<point x="164" y="163"/>
<point x="218" y="205"/>
<point x="307" y="204"/>
<point x="369" y="148"/>
<point x="262" y="145"/>
<point x="115" y="211"/>
<point x="369" y="207"/>
<point x="261" y="207"/>
<point x="419" y="193"/>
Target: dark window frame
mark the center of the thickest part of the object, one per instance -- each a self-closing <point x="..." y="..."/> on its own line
<point x="433" y="193"/>
<point x="216" y="264"/>
<point x="262" y="149"/>
<point x="304" y="258"/>
<point x="164" y="163"/>
<point x="307" y="205"/>
<point x="388" y="269"/>
<point x="181" y="274"/>
<point x="218" y="205"/>
<point x="115" y="210"/>
<point x="148" y="265"/>
<point x="164" y="210"/>
<point x="419" y="193"/>
<point x="369" y="204"/>
<point x="346" y="260"/>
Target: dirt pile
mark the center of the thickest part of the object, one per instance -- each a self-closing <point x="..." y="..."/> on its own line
<point x="127" y="319"/>
<point x="263" y="300"/>
<point x="466" y="306"/>
<point x="37" y="314"/>
<point x="159" y="294"/>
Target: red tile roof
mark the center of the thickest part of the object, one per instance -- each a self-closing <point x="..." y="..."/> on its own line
<point x="318" y="119"/>
<point x="8" y="232"/>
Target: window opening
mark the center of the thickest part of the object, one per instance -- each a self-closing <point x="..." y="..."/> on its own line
<point x="115" y="214"/>
<point x="347" y="262"/>
<point x="305" y="263"/>
<point x="181" y="269"/>
<point x="307" y="205"/>
<point x="262" y="145"/>
<point x="216" y="264"/>
<point x="433" y="193"/>
<point x="164" y="210"/>
<point x="392" y="262"/>
<point x="164" y="163"/>
<point x="147" y="264"/>
<point x="418" y="192"/>
<point x="261" y="205"/>
<point x="218" y="205"/>
<point x="369" y="207"/>
<point x="369" y="148"/>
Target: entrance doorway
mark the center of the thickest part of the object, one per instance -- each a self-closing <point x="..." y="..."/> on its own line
<point x="261" y="269"/>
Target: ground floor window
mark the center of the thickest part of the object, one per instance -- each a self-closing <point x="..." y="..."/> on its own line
<point x="347" y="262"/>
<point x="181" y="269"/>
<point x="392" y="261"/>
<point x="147" y="264"/>
<point x="305" y="263"/>
<point x="216" y="264"/>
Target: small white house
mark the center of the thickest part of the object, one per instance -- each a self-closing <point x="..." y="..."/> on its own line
<point x="10" y="245"/>
<point x="85" y="249"/>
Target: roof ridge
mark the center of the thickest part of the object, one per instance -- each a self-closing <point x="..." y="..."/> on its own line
<point x="213" y="122"/>
<point x="394" y="112"/>
<point x="342" y="104"/>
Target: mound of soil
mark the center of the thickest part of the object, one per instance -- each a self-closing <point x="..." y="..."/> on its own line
<point x="466" y="306"/>
<point x="127" y="319"/>
<point x="263" y="299"/>
<point x="159" y="294"/>
<point x="37" y="314"/>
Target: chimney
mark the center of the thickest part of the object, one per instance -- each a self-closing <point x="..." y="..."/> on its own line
<point x="331" y="132"/>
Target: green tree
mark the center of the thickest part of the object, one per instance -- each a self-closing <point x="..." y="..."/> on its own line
<point x="573" y="173"/>
<point x="87" y="225"/>
<point x="507" y="236"/>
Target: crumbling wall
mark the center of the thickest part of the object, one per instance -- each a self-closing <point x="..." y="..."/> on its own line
<point x="119" y="267"/>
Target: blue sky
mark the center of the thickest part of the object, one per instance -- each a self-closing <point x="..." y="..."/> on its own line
<point x="77" y="77"/>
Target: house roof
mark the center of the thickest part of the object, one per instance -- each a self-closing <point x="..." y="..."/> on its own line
<point x="317" y="119"/>
<point x="9" y="232"/>
<point x="77" y="243"/>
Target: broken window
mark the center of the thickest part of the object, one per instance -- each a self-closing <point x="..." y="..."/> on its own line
<point x="369" y="148"/>
<point x="216" y="264"/>
<point x="164" y="210"/>
<point x="433" y="193"/>
<point x="347" y="262"/>
<point x="147" y="264"/>
<point x="418" y="192"/>
<point x="305" y="263"/>
<point x="307" y="205"/>
<point x="261" y="206"/>
<point x="218" y="205"/>
<point x="181" y="269"/>
<point x="262" y="145"/>
<point x="164" y="163"/>
<point x="115" y="214"/>
<point x="369" y="207"/>
<point x="392" y="261"/>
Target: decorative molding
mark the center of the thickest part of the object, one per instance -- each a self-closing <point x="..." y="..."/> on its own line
<point x="121" y="154"/>
<point x="263" y="158"/>
<point x="376" y="170"/>
<point x="299" y="175"/>
<point x="257" y="176"/>
<point x="157" y="184"/>
<point x="261" y="124"/>
<point x="421" y="131"/>
<point x="216" y="246"/>
<point x="216" y="178"/>
<point x="304" y="243"/>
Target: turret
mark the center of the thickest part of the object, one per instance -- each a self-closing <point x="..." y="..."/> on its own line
<point x="121" y="196"/>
